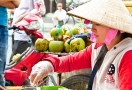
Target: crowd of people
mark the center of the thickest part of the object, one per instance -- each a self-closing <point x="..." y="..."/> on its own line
<point x="109" y="56"/>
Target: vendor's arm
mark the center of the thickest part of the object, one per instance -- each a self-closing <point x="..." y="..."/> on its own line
<point x="79" y="60"/>
<point x="125" y="72"/>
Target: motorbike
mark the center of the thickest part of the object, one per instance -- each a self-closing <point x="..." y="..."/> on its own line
<point x="18" y="71"/>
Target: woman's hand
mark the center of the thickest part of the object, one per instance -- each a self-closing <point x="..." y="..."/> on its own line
<point x="39" y="71"/>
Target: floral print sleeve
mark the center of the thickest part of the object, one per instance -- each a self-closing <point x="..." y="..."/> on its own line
<point x="39" y="7"/>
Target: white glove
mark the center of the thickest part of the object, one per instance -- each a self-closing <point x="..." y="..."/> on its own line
<point x="40" y="70"/>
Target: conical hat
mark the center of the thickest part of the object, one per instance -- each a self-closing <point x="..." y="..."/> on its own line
<point x="111" y="13"/>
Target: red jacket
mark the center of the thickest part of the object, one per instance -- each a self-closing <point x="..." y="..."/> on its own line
<point x="82" y="60"/>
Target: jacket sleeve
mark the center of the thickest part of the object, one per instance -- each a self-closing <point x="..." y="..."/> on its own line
<point x="79" y="60"/>
<point x="125" y="72"/>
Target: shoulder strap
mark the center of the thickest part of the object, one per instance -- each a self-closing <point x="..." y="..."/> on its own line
<point x="97" y="65"/>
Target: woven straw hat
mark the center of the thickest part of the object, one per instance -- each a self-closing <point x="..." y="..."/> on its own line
<point x="111" y="13"/>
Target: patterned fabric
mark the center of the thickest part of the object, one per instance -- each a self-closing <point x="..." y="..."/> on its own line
<point x="109" y="78"/>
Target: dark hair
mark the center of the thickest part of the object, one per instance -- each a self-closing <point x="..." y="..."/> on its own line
<point x="60" y="3"/>
<point x="125" y="35"/>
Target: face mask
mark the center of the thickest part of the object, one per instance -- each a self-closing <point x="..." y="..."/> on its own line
<point x="109" y="37"/>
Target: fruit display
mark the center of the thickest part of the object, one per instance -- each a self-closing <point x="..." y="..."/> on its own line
<point x="42" y="44"/>
<point x="67" y="46"/>
<point x="65" y="39"/>
<point x="72" y="31"/>
<point x="77" y="44"/>
<point x="56" y="46"/>
<point x="57" y="34"/>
